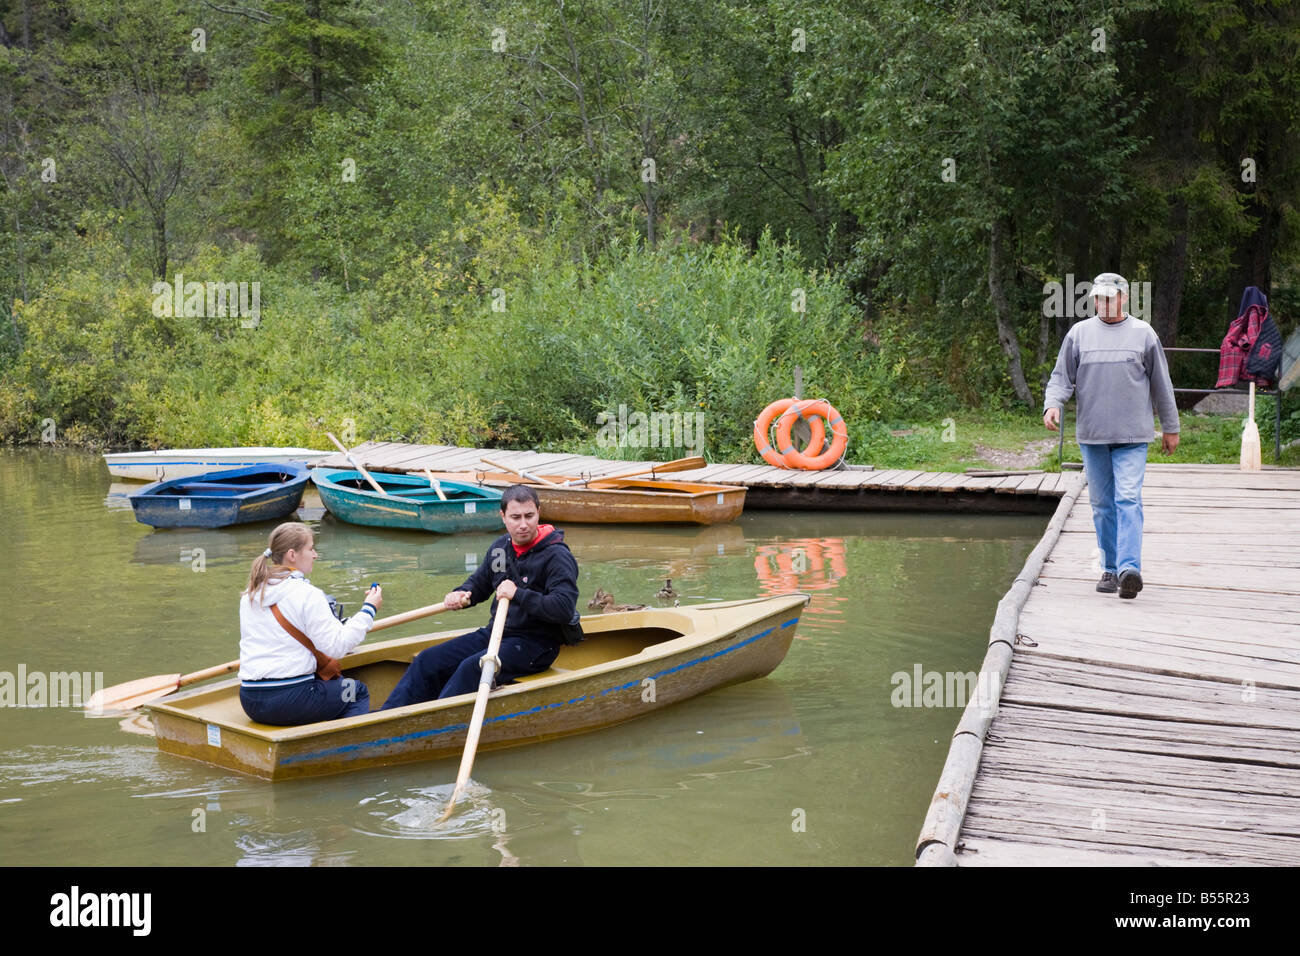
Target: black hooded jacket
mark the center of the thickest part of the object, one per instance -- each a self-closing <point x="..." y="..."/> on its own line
<point x="546" y="576"/>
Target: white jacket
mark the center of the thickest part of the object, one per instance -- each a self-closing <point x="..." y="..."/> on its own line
<point x="267" y="650"/>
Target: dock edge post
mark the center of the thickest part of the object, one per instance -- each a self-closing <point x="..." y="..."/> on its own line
<point x="937" y="843"/>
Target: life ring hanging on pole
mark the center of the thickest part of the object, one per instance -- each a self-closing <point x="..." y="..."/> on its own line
<point x="817" y="412"/>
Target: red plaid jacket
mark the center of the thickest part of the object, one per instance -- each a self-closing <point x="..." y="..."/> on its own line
<point x="1237" y="344"/>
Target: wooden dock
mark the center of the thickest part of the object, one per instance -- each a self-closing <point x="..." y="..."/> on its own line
<point x="768" y="487"/>
<point x="1161" y="730"/>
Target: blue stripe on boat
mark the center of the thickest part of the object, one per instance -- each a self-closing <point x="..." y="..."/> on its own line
<point x="418" y="734"/>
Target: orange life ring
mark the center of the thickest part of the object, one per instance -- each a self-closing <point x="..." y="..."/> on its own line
<point x="816" y="411"/>
<point x="761" y="426"/>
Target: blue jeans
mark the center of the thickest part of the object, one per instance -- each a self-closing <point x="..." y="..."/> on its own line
<point x="305" y="702"/>
<point x="451" y="668"/>
<point x="1115" y="474"/>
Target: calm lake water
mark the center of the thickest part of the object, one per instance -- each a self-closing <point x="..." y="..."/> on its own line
<point x="811" y="765"/>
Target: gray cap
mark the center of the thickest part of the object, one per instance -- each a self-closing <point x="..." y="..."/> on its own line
<point x="1109" y="284"/>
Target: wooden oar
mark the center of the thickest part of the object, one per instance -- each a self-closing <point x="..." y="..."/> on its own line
<point x="522" y="474"/>
<point x="426" y="611"/>
<point x="434" y="481"/>
<point x="1250" y="452"/>
<point x="355" y="464"/>
<point x="681" y="464"/>
<point x="137" y="693"/>
<point x="488" y="670"/>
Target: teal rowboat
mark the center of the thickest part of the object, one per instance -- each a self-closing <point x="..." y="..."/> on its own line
<point x="409" y="501"/>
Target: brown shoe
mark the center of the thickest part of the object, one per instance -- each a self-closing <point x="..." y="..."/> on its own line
<point x="1108" y="584"/>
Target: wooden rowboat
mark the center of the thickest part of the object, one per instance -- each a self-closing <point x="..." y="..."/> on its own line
<point x="167" y="464"/>
<point x="623" y="500"/>
<point x="409" y="501"/>
<point x="220" y="498"/>
<point x="631" y="664"/>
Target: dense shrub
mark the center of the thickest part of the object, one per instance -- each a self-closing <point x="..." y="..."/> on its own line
<point x="491" y="335"/>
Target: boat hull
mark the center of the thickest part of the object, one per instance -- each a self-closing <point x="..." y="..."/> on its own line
<point x="675" y="654"/>
<point x="628" y="500"/>
<point x="221" y="498"/>
<point x="167" y="464"/>
<point x="350" y="498"/>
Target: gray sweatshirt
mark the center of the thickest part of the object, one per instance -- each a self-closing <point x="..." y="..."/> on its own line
<point x="1119" y="371"/>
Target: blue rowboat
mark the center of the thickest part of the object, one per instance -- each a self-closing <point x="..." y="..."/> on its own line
<point x="219" y="498"/>
<point x="408" y="501"/>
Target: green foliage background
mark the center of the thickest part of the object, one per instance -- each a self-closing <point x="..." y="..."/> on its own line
<point x="487" y="224"/>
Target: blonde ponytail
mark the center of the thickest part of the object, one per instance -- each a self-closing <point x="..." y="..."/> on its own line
<point x="268" y="569"/>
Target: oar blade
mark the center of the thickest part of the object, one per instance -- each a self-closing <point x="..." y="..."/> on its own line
<point x="132" y="694"/>
<point x="451" y="806"/>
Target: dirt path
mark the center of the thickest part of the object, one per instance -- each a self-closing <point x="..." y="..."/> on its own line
<point x="1031" y="456"/>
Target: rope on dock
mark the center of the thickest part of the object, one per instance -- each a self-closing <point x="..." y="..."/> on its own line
<point x="938" y="840"/>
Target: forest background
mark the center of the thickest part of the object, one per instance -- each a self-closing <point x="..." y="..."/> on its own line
<point x="488" y="223"/>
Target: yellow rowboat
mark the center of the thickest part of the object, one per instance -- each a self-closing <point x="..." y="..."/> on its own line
<point x="631" y="664"/>
<point x="622" y="500"/>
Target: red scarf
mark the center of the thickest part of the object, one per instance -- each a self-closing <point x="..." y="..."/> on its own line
<point x="542" y="531"/>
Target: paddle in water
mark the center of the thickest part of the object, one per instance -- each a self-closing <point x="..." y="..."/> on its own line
<point x="488" y="664"/>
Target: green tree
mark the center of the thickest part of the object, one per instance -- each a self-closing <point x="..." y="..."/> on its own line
<point x="975" y="129"/>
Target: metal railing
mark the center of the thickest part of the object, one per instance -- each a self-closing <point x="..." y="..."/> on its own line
<point x="1277" y="406"/>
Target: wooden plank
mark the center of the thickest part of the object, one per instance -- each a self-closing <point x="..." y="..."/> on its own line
<point x="1135" y="735"/>
<point x="1008" y="484"/>
<point x="1050" y="485"/>
<point x="1030" y="485"/>
<point x="766" y="475"/>
<point x="802" y="478"/>
<point x="824" y="477"/>
<point x="726" y="471"/>
<point x="934" y="481"/>
<point x="899" y="481"/>
<point x="924" y="479"/>
<point x="1168" y="574"/>
<point x="981" y="850"/>
<point x="955" y="483"/>
<point x="857" y="479"/>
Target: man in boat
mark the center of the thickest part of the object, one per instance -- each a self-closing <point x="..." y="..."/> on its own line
<point x="1116" y="364"/>
<point x="534" y="569"/>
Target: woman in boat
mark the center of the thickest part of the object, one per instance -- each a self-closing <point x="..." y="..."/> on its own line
<point x="277" y="672"/>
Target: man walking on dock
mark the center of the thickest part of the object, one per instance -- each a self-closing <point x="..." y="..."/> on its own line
<point x="1116" y="364"/>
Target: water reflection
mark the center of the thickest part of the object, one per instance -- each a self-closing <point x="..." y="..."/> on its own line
<point x="185" y="546"/>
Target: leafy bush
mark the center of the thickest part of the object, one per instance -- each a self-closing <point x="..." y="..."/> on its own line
<point x="494" y="334"/>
